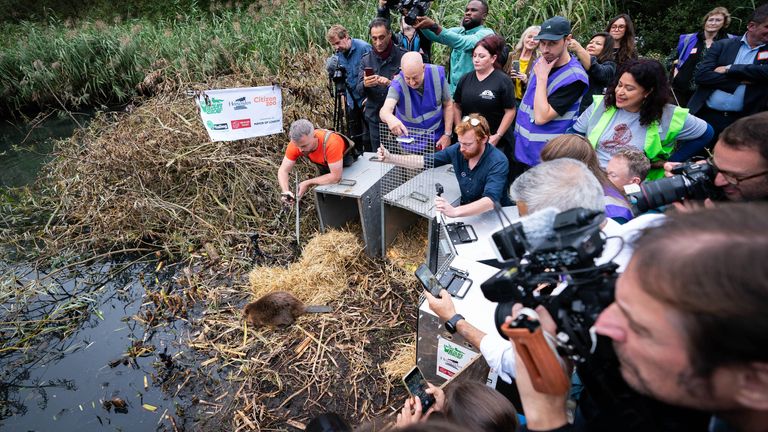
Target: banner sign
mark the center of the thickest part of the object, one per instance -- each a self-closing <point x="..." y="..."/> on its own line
<point x="452" y="357"/>
<point x="239" y="113"/>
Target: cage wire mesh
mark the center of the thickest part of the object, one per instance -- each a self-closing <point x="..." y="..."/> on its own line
<point x="408" y="188"/>
<point x="443" y="250"/>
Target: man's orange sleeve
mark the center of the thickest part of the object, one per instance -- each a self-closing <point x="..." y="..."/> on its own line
<point x="292" y="152"/>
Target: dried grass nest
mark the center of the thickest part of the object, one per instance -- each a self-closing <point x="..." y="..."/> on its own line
<point x="320" y="275"/>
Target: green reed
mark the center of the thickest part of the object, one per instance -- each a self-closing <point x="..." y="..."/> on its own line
<point x="92" y="63"/>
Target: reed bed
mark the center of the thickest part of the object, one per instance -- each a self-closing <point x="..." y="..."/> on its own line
<point x="92" y="63"/>
<point x="150" y="178"/>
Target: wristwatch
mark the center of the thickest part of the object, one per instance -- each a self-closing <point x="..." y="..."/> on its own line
<point x="450" y="325"/>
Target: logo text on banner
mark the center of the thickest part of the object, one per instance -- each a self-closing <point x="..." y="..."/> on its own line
<point x="239" y="113"/>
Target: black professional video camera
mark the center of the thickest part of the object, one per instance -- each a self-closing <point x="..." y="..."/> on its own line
<point x="410" y="9"/>
<point x="692" y="180"/>
<point x="559" y="273"/>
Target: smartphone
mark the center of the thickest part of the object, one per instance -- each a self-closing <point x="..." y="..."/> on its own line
<point x="368" y="71"/>
<point x="428" y="280"/>
<point x="417" y="386"/>
<point x="516" y="66"/>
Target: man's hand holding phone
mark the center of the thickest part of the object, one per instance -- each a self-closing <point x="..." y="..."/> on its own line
<point x="369" y="78"/>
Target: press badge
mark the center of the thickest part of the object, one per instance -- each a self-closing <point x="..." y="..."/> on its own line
<point x="762" y="55"/>
<point x="694" y="50"/>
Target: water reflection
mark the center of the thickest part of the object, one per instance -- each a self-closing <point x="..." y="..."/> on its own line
<point x="65" y="382"/>
<point x="25" y="147"/>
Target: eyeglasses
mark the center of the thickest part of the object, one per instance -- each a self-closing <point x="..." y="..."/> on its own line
<point x="732" y="178"/>
<point x="618" y="27"/>
<point x="472" y="121"/>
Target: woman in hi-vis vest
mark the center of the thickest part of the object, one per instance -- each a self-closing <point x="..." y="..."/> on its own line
<point x="636" y="112"/>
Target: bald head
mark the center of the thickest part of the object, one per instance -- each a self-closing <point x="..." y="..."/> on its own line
<point x="413" y="69"/>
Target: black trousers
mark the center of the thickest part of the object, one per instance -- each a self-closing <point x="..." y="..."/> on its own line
<point x="358" y="130"/>
<point x="719" y="120"/>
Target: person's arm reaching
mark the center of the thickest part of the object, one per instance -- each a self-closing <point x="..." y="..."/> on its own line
<point x="476" y="207"/>
<point x="406" y="161"/>
<point x="445" y="310"/>
<point x="332" y="177"/>
<point x="460" y="42"/>
<point x="584" y="58"/>
<point x="283" y="175"/>
<point x="386" y="114"/>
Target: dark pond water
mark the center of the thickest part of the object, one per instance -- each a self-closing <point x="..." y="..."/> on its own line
<point x="62" y="384"/>
<point x="25" y="147"/>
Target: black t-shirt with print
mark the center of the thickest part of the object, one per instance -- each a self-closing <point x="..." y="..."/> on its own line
<point x="488" y="97"/>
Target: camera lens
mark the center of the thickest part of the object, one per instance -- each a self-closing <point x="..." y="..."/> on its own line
<point x="660" y="192"/>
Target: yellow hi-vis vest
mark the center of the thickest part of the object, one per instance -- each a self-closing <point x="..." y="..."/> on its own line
<point x="656" y="148"/>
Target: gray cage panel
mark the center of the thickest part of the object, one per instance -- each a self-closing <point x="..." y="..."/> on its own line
<point x="399" y="187"/>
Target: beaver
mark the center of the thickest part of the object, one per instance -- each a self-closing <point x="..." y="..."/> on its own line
<point x="278" y="309"/>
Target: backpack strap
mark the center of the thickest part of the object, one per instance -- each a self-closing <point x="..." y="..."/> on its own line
<point x="325" y="140"/>
<point x="350" y="145"/>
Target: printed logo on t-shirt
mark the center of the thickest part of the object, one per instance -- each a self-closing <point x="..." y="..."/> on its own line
<point x="622" y="136"/>
<point x="487" y="94"/>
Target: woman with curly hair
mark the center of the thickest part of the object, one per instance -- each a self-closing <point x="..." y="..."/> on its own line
<point x="636" y="112"/>
<point x="622" y="31"/>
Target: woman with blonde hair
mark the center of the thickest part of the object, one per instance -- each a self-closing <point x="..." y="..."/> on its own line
<point x="521" y="59"/>
<point x="691" y="49"/>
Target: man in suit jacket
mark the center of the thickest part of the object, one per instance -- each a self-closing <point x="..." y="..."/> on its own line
<point x="733" y="77"/>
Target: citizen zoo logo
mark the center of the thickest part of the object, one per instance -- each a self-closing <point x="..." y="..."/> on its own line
<point x="453" y="352"/>
<point x="240" y="103"/>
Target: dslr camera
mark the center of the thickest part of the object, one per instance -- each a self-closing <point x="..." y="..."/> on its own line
<point x="691" y="180"/>
<point x="410" y="9"/>
<point x="337" y="73"/>
<point x="558" y="272"/>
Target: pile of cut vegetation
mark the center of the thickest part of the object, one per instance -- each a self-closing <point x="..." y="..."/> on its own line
<point x="347" y="361"/>
<point x="151" y="178"/>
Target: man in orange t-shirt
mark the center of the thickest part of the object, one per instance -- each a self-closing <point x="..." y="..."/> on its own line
<point x="308" y="141"/>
